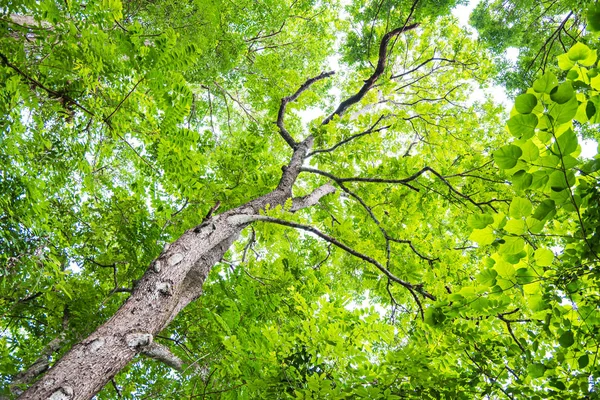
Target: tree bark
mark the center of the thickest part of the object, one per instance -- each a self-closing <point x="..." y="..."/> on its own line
<point x="171" y="282"/>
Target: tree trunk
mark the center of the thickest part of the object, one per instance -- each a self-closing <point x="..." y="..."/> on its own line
<point x="171" y="282"/>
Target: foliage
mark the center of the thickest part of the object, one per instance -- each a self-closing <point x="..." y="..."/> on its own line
<point x="126" y="122"/>
<point x="538" y="30"/>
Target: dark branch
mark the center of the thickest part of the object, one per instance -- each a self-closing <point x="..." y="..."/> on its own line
<point x="411" y="287"/>
<point x="350" y="138"/>
<point x="379" y="69"/>
<point x="282" y="131"/>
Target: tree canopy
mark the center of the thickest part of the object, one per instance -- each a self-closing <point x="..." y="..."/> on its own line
<point x="298" y="199"/>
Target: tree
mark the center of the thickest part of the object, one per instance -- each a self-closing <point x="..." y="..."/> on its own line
<point x="387" y="258"/>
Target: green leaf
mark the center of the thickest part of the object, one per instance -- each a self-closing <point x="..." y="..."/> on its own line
<point x="543" y="257"/>
<point x="530" y="151"/>
<point x="566" y="339"/>
<point x="523" y="126"/>
<point x="525" y="104"/>
<point x="487" y="277"/>
<point x="567" y="143"/>
<point x="522" y="180"/>
<point x="515" y="226"/>
<point x="520" y="207"/>
<point x="564" y="62"/>
<point x="563" y="113"/>
<point x="593" y="17"/>
<point x="545" y="209"/>
<point x="511" y="245"/>
<point x="545" y="83"/>
<point x="578" y="52"/>
<point x="482" y="236"/>
<point x="479" y="221"/>
<point x="583" y="361"/>
<point x="562" y="93"/>
<point x="536" y="370"/>
<point x="558" y="182"/>
<point x="507" y="156"/>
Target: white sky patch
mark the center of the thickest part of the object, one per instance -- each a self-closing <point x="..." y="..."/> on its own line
<point x="512" y="54"/>
<point x="463" y="12"/>
<point x="589" y="148"/>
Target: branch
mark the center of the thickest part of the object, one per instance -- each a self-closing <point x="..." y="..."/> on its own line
<point x="371" y="180"/>
<point x="350" y="138"/>
<point x="53" y="93"/>
<point x="405" y="182"/>
<point x="282" y="131"/>
<point x="311" y="199"/>
<point x="411" y="287"/>
<point x="344" y="105"/>
<point x="162" y="353"/>
<point x="427" y="62"/>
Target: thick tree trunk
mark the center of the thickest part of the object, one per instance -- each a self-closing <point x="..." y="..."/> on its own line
<point x="173" y="280"/>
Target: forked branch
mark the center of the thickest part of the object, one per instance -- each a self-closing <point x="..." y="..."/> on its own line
<point x="282" y="130"/>
<point x="411" y="287"/>
<point x="379" y="69"/>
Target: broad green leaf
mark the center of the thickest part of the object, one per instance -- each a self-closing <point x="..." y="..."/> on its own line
<point x="583" y="361"/>
<point x="530" y="151"/>
<point x="543" y="257"/>
<point x="564" y="62"/>
<point x="545" y="209"/>
<point x="562" y="93"/>
<point x="525" y="104"/>
<point x="523" y="126"/>
<point x="515" y="226"/>
<point x="559" y="182"/>
<point x="566" y="143"/>
<point x="536" y="370"/>
<point x="534" y="225"/>
<point x="507" y="156"/>
<point x="566" y="339"/>
<point x="545" y="83"/>
<point x="563" y="113"/>
<point x="511" y="245"/>
<point x="482" y="236"/>
<point x="520" y="207"/>
<point x="522" y="180"/>
<point x="578" y="52"/>
<point x="479" y="221"/>
<point x="487" y="277"/>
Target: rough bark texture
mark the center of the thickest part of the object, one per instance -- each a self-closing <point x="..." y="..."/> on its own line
<point x="171" y="282"/>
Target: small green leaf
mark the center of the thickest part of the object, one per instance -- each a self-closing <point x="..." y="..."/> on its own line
<point x="507" y="156"/>
<point x="566" y="339"/>
<point x="520" y="207"/>
<point x="583" y="361"/>
<point x="525" y="103"/>
<point x="523" y="126"/>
